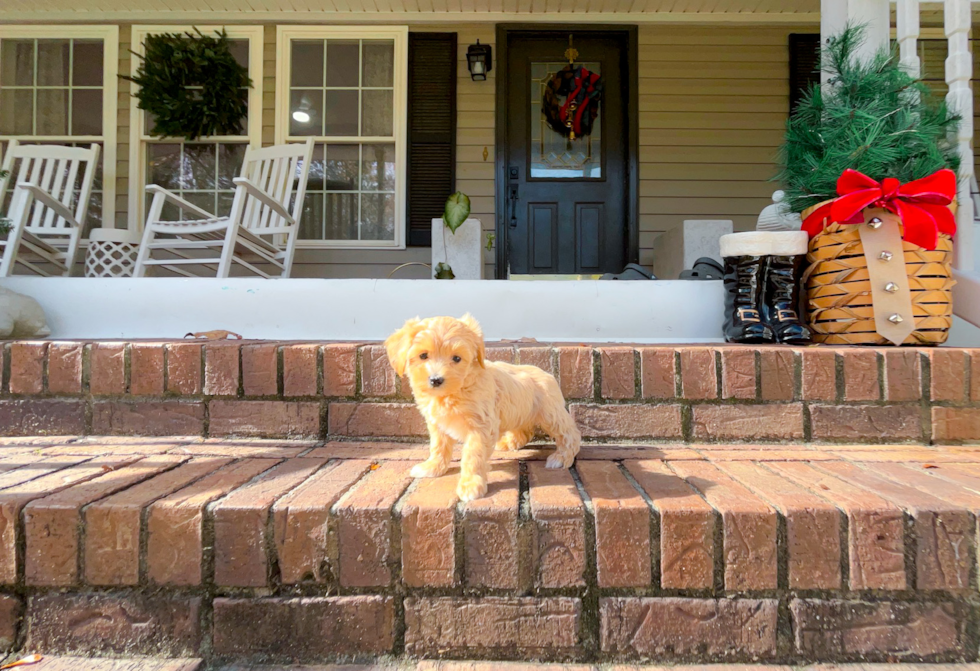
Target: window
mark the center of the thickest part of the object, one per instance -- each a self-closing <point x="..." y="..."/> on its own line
<point x="200" y="171"/>
<point x="346" y="87"/>
<point x="58" y="86"/>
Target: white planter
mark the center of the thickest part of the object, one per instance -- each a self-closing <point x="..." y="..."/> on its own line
<point x="462" y="250"/>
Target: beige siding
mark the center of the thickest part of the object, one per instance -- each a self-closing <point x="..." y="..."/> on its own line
<point x="122" y="136"/>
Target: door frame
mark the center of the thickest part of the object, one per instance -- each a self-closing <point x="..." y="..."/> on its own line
<point x="631" y="96"/>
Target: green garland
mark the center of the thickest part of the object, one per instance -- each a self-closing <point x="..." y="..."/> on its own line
<point x="191" y="85"/>
<point x="873" y="117"/>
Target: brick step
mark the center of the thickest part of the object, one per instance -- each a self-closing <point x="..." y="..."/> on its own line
<point x="149" y="664"/>
<point x="713" y="393"/>
<point x="256" y="550"/>
<point x="49" y="663"/>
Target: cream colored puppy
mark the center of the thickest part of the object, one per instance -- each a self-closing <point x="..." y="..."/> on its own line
<point x="483" y="404"/>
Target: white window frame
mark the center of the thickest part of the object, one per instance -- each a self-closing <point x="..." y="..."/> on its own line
<point x="284" y="35"/>
<point x="139" y="140"/>
<point x="110" y="70"/>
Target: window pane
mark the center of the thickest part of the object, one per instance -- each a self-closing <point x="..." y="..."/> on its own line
<point x="377" y="113"/>
<point x="52" y="111"/>
<point x="87" y="63"/>
<point x="341" y="216"/>
<point x="225" y="200"/>
<point x="340" y="168"/>
<point x="306" y="63"/>
<point x="342" y="62"/>
<point x="377" y="216"/>
<point x="163" y="166"/>
<point x="379" y="63"/>
<point x="53" y="59"/>
<point x="86" y="112"/>
<point x="16" y="112"/>
<point x="311" y="221"/>
<point x="230" y="157"/>
<point x="205" y="201"/>
<point x="306" y="113"/>
<point x="16" y="62"/>
<point x="199" y="168"/>
<point x="378" y="168"/>
<point x="340" y="114"/>
<point x="239" y="50"/>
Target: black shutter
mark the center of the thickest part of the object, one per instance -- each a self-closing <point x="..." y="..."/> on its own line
<point x="431" y="131"/>
<point x="804" y="60"/>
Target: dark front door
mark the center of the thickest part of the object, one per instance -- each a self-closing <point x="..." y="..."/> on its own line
<point x="566" y="200"/>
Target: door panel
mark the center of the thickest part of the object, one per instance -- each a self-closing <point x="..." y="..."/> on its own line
<point x="543" y="217"/>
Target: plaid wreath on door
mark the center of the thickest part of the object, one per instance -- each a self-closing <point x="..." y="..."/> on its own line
<point x="571" y="101"/>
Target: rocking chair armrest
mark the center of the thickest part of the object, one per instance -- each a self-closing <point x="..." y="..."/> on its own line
<point x="262" y="196"/>
<point x="48" y="200"/>
<point x="179" y="202"/>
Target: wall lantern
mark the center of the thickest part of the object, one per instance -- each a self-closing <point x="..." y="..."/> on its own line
<point x="479" y="60"/>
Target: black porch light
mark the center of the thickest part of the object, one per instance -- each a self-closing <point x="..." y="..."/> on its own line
<point x="479" y="60"/>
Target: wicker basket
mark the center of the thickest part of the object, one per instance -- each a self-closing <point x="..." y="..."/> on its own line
<point x="838" y="291"/>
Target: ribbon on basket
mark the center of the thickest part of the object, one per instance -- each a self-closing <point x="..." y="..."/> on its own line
<point x="922" y="204"/>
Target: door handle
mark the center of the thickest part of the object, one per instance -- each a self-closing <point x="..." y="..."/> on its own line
<point x="513" y="205"/>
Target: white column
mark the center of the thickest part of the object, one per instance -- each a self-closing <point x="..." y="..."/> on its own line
<point x="907" y="33"/>
<point x="874" y="14"/>
<point x="959" y="70"/>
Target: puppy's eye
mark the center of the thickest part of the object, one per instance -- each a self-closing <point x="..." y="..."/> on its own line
<point x="424" y="356"/>
<point x="456" y="359"/>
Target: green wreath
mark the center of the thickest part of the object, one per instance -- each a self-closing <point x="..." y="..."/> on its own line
<point x="191" y="85"/>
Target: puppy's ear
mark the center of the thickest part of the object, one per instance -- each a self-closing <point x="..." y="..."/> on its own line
<point x="399" y="342"/>
<point x="472" y="325"/>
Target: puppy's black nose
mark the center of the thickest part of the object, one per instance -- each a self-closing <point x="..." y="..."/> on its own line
<point x="436" y="381"/>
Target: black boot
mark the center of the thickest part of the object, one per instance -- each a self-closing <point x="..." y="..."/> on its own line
<point x="782" y="300"/>
<point x="744" y="287"/>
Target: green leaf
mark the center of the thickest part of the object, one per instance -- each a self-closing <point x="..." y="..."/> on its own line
<point x="457" y="211"/>
<point x="443" y="271"/>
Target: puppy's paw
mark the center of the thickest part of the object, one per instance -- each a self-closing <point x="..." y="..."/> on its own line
<point x="559" y="460"/>
<point x="471" y="488"/>
<point x="430" y="468"/>
<point x="509" y="442"/>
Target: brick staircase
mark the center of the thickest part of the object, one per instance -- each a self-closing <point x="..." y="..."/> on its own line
<point x="732" y="504"/>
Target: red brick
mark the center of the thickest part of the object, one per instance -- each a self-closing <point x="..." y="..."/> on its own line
<point x="500" y="353"/>
<point x="575" y="372"/>
<point x="539" y="356"/>
<point x="875" y="527"/>
<point x="813" y="526"/>
<point x="770" y="421"/>
<point x="777" y="374"/>
<point x="903" y="381"/>
<point x="107" y="368"/>
<point x="863" y="422"/>
<point x="184" y="368"/>
<point x="687" y="527"/>
<point x="622" y="526"/>
<point x="65" y="367"/>
<point x="51" y="524"/>
<point x="947" y="374"/>
<point x="628" y="421"/>
<point x="304" y="529"/>
<point x="953" y="425"/>
<point x="241" y="552"/>
<point x="299" y="370"/>
<point x="41" y="416"/>
<point x="275" y="419"/>
<point x="428" y="527"/>
<point x="378" y="378"/>
<point x="974" y="376"/>
<point x="133" y="624"/>
<point x="339" y="370"/>
<point x="944" y="534"/>
<point x="681" y="627"/>
<point x="490" y="531"/>
<point x="112" y="525"/>
<point x="658" y="378"/>
<point x="146" y="369"/>
<point x="748" y="524"/>
<point x="260" y="369"/>
<point x="365" y="526"/>
<point x="148" y="418"/>
<point x="618" y="372"/>
<point x="400" y="420"/>
<point x="11" y="612"/>
<point x="175" y="524"/>
<point x="738" y="372"/>
<point x="882" y="631"/>
<point x="558" y="528"/>
<point x="819" y="374"/>
<point x="698" y="378"/>
<point x="221" y="361"/>
<point x="860" y="375"/>
<point x="511" y="627"/>
<point x="27" y="367"/>
<point x="304" y="629"/>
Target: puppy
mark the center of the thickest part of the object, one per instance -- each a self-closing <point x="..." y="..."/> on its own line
<point x="483" y="404"/>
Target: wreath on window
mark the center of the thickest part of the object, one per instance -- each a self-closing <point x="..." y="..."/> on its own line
<point x="571" y="101"/>
<point x="191" y="85"/>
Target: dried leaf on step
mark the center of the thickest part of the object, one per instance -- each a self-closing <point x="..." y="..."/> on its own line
<point x="214" y="335"/>
<point x="929" y="466"/>
<point x="823" y="486"/>
<point x="23" y="661"/>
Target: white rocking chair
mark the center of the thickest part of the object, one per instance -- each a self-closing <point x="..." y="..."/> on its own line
<point x="260" y="224"/>
<point x="47" y="182"/>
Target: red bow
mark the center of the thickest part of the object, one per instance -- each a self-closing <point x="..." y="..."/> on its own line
<point x="923" y="204"/>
